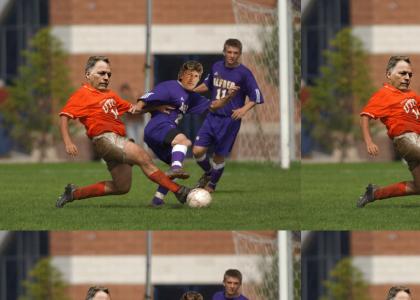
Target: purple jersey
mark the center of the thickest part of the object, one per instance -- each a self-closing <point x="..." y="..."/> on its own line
<point x="221" y="296"/>
<point x="221" y="78"/>
<point x="161" y="124"/>
<point x="172" y="93"/>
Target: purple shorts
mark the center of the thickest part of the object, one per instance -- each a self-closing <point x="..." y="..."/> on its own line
<point x="219" y="131"/>
<point x="158" y="137"/>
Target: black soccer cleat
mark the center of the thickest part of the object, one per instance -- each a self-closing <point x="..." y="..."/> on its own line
<point x="182" y="194"/>
<point x="177" y="173"/>
<point x="203" y="181"/>
<point x="368" y="196"/>
<point x="66" y="197"/>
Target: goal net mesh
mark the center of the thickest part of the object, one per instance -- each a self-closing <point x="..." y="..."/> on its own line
<point x="261" y="270"/>
<point x="257" y="28"/>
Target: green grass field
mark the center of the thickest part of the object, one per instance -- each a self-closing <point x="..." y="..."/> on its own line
<point x="330" y="193"/>
<point x="249" y="196"/>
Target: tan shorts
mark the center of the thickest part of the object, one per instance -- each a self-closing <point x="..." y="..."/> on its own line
<point x="408" y="147"/>
<point x="110" y="147"/>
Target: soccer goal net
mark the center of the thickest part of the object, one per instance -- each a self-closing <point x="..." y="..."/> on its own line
<point x="262" y="269"/>
<point x="257" y="28"/>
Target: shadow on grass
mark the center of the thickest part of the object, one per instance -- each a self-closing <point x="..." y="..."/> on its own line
<point x="392" y="206"/>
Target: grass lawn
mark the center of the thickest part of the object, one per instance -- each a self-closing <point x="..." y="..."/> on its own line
<point x="330" y="192"/>
<point x="249" y="196"/>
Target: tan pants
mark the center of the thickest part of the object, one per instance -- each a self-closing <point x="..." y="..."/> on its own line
<point x="110" y="147"/>
<point x="408" y="147"/>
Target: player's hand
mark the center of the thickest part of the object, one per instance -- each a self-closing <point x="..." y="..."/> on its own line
<point x="166" y="109"/>
<point x="238" y="114"/>
<point x="71" y="149"/>
<point x="133" y="109"/>
<point x="232" y="90"/>
<point x="372" y="149"/>
<point x="137" y="108"/>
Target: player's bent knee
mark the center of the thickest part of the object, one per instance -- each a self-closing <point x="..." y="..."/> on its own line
<point x="123" y="189"/>
<point x="198" y="151"/>
<point x="187" y="143"/>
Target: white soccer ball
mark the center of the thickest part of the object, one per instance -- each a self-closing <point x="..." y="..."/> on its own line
<point x="198" y="198"/>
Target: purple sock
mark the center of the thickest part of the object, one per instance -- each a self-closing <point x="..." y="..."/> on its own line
<point x="159" y="196"/>
<point x="216" y="174"/>
<point x="204" y="163"/>
<point x="178" y="156"/>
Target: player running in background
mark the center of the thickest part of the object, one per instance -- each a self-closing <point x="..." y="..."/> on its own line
<point x="161" y="133"/>
<point x="399" y="293"/>
<point x="191" y="295"/>
<point x="397" y="107"/>
<point x="221" y="126"/>
<point x="98" y="293"/>
<point x="99" y="110"/>
<point x="232" y="282"/>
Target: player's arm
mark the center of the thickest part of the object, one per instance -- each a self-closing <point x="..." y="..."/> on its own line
<point x="142" y="107"/>
<point x="239" y="113"/>
<point x="218" y="103"/>
<point x="371" y="147"/>
<point x="71" y="148"/>
<point x="202" y="88"/>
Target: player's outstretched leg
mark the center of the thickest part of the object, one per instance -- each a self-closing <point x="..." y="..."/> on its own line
<point x="182" y="194"/>
<point x="368" y="196"/>
<point x="205" y="165"/>
<point x="138" y="156"/>
<point x="158" y="199"/>
<point x="179" y="151"/>
<point x="203" y="161"/>
<point x="373" y="193"/>
<point x="216" y="174"/>
<point x="66" y="197"/>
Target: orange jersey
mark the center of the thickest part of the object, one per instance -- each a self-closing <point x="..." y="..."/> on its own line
<point x="98" y="111"/>
<point x="398" y="110"/>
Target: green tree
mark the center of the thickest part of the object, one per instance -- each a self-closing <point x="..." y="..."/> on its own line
<point x="339" y="94"/>
<point x="38" y="92"/>
<point x="346" y="283"/>
<point x="44" y="283"/>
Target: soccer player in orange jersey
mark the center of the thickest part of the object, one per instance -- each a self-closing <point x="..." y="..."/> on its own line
<point x="397" y="107"/>
<point x="99" y="110"/>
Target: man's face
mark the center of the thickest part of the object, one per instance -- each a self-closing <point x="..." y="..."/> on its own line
<point x="190" y="79"/>
<point x="101" y="296"/>
<point x="99" y="75"/>
<point x="400" y="76"/>
<point x="232" y="55"/>
<point x="402" y="296"/>
<point x="232" y="286"/>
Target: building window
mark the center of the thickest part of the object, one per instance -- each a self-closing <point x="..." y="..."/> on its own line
<point x="19" y="22"/>
<point x="321" y="20"/>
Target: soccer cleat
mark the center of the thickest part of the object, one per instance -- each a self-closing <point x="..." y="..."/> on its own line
<point x="368" y="196"/>
<point x="66" y="197"/>
<point x="210" y="187"/>
<point x="157" y="202"/>
<point x="177" y="173"/>
<point x="182" y="194"/>
<point x="202" y="182"/>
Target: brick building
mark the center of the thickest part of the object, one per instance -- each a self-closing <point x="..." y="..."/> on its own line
<point x="180" y="31"/>
<point x="182" y="260"/>
<point x="386" y="258"/>
<point x="386" y="28"/>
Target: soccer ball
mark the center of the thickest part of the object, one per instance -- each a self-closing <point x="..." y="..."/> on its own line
<point x="198" y="198"/>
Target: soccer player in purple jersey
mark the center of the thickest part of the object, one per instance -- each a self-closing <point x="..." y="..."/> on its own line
<point x="232" y="281"/>
<point x="221" y="126"/>
<point x="161" y="133"/>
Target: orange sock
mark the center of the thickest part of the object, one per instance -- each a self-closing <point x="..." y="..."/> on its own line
<point x="94" y="190"/>
<point x="160" y="178"/>
<point x="393" y="190"/>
